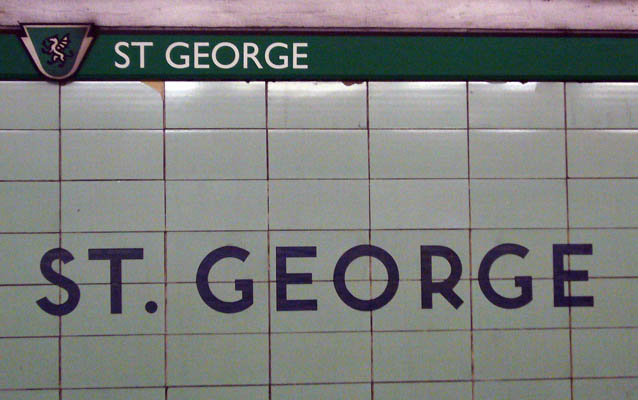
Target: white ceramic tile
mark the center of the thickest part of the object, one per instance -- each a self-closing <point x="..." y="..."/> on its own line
<point x="215" y="105"/>
<point x="612" y="389"/>
<point x="418" y="154"/>
<point x="28" y="363"/>
<point x="418" y="105"/>
<point x="523" y="390"/>
<point x="603" y="153"/>
<point x="21" y="254"/>
<point x="112" y="206"/>
<point x="402" y="356"/>
<point x="318" y="154"/>
<point x="602" y="105"/>
<point x="332" y="314"/>
<point x="113" y="394"/>
<point x="614" y="252"/>
<point x="603" y="203"/>
<point x="316" y="105"/>
<point x="102" y="361"/>
<point x="614" y="303"/>
<point x="22" y="316"/>
<point x="115" y="154"/>
<point x="29" y="207"/>
<point x="82" y="270"/>
<point x="534" y="105"/>
<point x="320" y="392"/>
<point x="216" y="154"/>
<point x="605" y="352"/>
<point x="521" y="354"/>
<point x="28" y="155"/>
<point x="419" y="204"/>
<point x="217" y="360"/>
<point x="111" y="105"/>
<point x="404" y="311"/>
<point x="517" y="153"/>
<point x="219" y="393"/>
<point x="330" y="246"/>
<point x="219" y="205"/>
<point x="318" y="204"/>
<point x="405" y="248"/>
<point x="187" y="312"/>
<point x="538" y="261"/>
<point x="186" y="251"/>
<point x="429" y="390"/>
<point x="93" y="313"/>
<point x="28" y="105"/>
<point x="518" y="203"/>
<point x="539" y="313"/>
<point x="302" y="357"/>
<point x="31" y="395"/>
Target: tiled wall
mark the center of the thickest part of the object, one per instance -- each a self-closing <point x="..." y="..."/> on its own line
<point x="182" y="168"/>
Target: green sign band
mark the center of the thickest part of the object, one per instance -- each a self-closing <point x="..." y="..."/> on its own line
<point x="171" y="56"/>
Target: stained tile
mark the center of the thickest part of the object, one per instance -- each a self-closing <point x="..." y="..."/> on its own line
<point x="116" y="154"/>
<point x="523" y="390"/>
<point x="325" y="204"/>
<point x="218" y="205"/>
<point x="112" y="206"/>
<point x="102" y="361"/>
<point x="602" y="153"/>
<point x="130" y="105"/>
<point x="229" y="360"/>
<point x="331" y="105"/>
<point x="518" y="204"/>
<point x="28" y="363"/>
<point x="28" y="105"/>
<point x="28" y="155"/>
<point x="605" y="352"/>
<point x="602" y="105"/>
<point x="603" y="203"/>
<point x="418" y="105"/>
<point x="215" y="105"/>
<point x="517" y="153"/>
<point x="429" y="390"/>
<point x="21" y="255"/>
<point x="216" y="154"/>
<point x="21" y="316"/>
<point x="318" y="154"/>
<point x="537" y="105"/>
<point x="302" y="357"/>
<point x="418" y="154"/>
<point x="521" y="354"/>
<point x="402" y="356"/>
<point x="419" y="204"/>
<point x="29" y="206"/>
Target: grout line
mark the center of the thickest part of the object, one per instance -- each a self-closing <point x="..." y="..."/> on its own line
<point x="370" y="239"/>
<point x="60" y="235"/>
<point x="268" y="243"/>
<point x="165" y="243"/>
<point x="469" y="208"/>
<point x="569" y="284"/>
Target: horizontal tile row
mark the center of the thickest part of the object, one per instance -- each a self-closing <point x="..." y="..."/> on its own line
<point x="181" y="308"/>
<point x="297" y="358"/>
<point x="614" y="254"/>
<point x="317" y="204"/>
<point x="312" y="154"/>
<point x="555" y="389"/>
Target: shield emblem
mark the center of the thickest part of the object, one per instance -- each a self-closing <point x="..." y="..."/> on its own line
<point x="57" y="50"/>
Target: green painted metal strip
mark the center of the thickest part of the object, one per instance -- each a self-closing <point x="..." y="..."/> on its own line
<point x="352" y="57"/>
